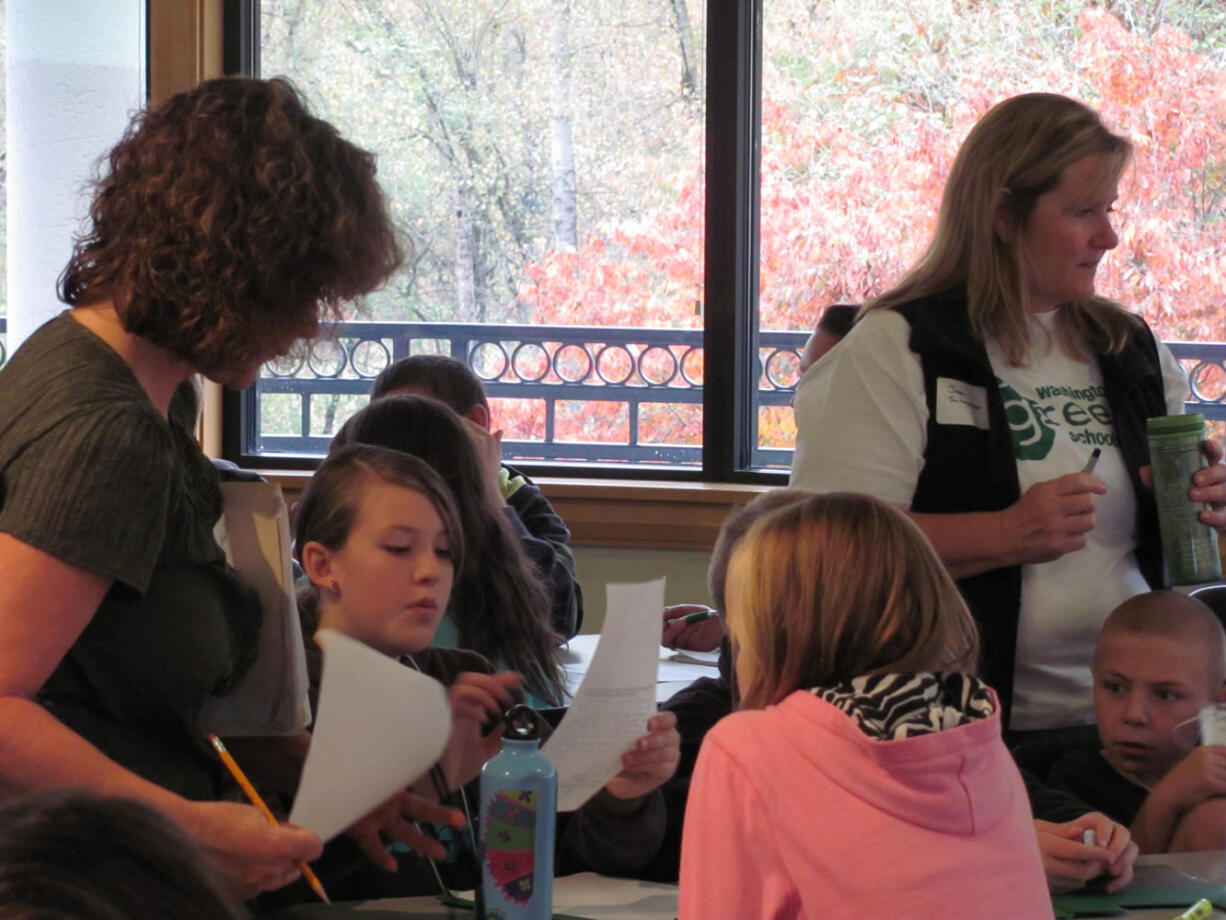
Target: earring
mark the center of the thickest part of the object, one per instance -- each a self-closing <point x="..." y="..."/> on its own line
<point x="334" y="589"/>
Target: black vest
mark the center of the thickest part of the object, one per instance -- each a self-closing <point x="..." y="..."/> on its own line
<point x="969" y="469"/>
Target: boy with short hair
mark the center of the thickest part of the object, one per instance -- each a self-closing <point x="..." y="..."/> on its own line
<point x="544" y="535"/>
<point x="1160" y="658"/>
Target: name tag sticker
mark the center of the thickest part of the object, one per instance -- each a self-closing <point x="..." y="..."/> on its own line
<point x="959" y="403"/>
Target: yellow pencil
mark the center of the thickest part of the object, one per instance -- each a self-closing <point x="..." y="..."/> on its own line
<point x="254" y="797"/>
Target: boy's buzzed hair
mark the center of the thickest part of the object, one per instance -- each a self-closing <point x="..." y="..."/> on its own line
<point x="1173" y="615"/>
<point x="442" y="377"/>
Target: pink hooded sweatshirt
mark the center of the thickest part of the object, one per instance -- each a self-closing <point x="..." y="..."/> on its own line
<point x="795" y="813"/>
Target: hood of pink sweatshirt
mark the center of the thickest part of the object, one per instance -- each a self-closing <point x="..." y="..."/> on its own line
<point x="958" y="781"/>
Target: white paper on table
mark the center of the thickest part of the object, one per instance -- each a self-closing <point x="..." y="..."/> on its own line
<point x="599" y="897"/>
<point x="669" y="671"/>
<point x="690" y="656"/>
<point x="380" y="726"/>
<point x="615" y="700"/>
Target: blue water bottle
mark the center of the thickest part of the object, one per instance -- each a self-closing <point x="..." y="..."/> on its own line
<point x="519" y="809"/>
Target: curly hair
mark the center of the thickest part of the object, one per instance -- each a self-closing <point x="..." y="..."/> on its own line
<point x="228" y="220"/>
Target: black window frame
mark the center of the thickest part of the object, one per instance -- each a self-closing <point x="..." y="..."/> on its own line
<point x="730" y="329"/>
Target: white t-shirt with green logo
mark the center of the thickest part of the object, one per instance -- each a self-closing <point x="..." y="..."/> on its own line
<point x="862" y="423"/>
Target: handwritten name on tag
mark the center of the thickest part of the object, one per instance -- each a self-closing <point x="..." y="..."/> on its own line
<point x="959" y="403"/>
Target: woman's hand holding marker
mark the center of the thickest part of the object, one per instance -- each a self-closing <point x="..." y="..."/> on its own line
<point x="1050" y="519"/>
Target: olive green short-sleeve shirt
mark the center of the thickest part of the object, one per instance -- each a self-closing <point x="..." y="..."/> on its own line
<point x="91" y="473"/>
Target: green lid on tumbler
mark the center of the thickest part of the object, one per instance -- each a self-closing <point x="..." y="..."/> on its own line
<point x="1163" y="425"/>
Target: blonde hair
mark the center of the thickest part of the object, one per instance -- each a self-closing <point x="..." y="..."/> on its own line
<point x="735" y="526"/>
<point x="1021" y="146"/>
<point x="840" y="586"/>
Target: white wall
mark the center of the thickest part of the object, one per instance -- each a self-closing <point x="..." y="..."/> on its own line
<point x="686" y="573"/>
<point x="75" y="74"/>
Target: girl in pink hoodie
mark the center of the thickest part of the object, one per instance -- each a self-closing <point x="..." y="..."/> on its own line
<point x="864" y="775"/>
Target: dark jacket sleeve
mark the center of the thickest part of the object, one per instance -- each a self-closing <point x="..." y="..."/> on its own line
<point x="697" y="708"/>
<point x="611" y="836"/>
<point x="545" y="538"/>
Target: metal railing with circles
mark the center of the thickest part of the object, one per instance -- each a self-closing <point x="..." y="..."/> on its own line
<point x="299" y="400"/>
<point x="619" y="370"/>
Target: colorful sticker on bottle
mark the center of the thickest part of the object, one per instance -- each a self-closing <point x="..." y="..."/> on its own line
<point x="510" y="842"/>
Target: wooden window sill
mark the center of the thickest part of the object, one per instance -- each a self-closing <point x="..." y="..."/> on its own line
<point x="629" y="514"/>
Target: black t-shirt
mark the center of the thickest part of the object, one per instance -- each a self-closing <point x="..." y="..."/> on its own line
<point x="1085" y="774"/>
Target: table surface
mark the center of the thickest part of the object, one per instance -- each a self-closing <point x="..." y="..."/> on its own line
<point x="671" y="676"/>
<point x="1210" y="866"/>
<point x="625" y="899"/>
<point x="585" y="895"/>
<point x="599" y="898"/>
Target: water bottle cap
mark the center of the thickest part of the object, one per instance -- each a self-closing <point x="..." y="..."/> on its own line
<point x="522" y="723"/>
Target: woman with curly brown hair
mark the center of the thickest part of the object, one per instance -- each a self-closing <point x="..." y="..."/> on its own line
<point x="227" y="221"/>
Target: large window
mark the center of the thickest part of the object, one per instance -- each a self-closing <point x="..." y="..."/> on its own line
<point x="864" y="104"/>
<point x="628" y="214"/>
<point x="545" y="162"/>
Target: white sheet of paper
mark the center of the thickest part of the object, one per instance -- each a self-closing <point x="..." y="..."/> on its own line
<point x="600" y="897"/>
<point x="271" y="698"/>
<point x="616" y="698"/>
<point x="380" y="726"/>
<point x="669" y="670"/>
<point x="689" y="656"/>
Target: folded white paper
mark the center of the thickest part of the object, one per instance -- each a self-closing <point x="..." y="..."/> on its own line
<point x="271" y="698"/>
<point x="380" y="727"/>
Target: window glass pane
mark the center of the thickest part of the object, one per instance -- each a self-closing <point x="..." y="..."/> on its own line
<point x="544" y="159"/>
<point x="865" y="103"/>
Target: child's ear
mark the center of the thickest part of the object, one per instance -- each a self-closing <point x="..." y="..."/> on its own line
<point x="479" y="414"/>
<point x="316" y="562"/>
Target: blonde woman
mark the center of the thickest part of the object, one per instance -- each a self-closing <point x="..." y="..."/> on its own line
<point x="974" y="393"/>
<point x="865" y="773"/>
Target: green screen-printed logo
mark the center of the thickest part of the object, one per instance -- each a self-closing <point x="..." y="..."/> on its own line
<point x="1033" y="435"/>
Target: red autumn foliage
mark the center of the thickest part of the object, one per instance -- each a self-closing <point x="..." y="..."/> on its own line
<point x="846" y="208"/>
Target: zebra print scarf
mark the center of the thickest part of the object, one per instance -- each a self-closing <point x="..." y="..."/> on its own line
<point x="890" y="707"/>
